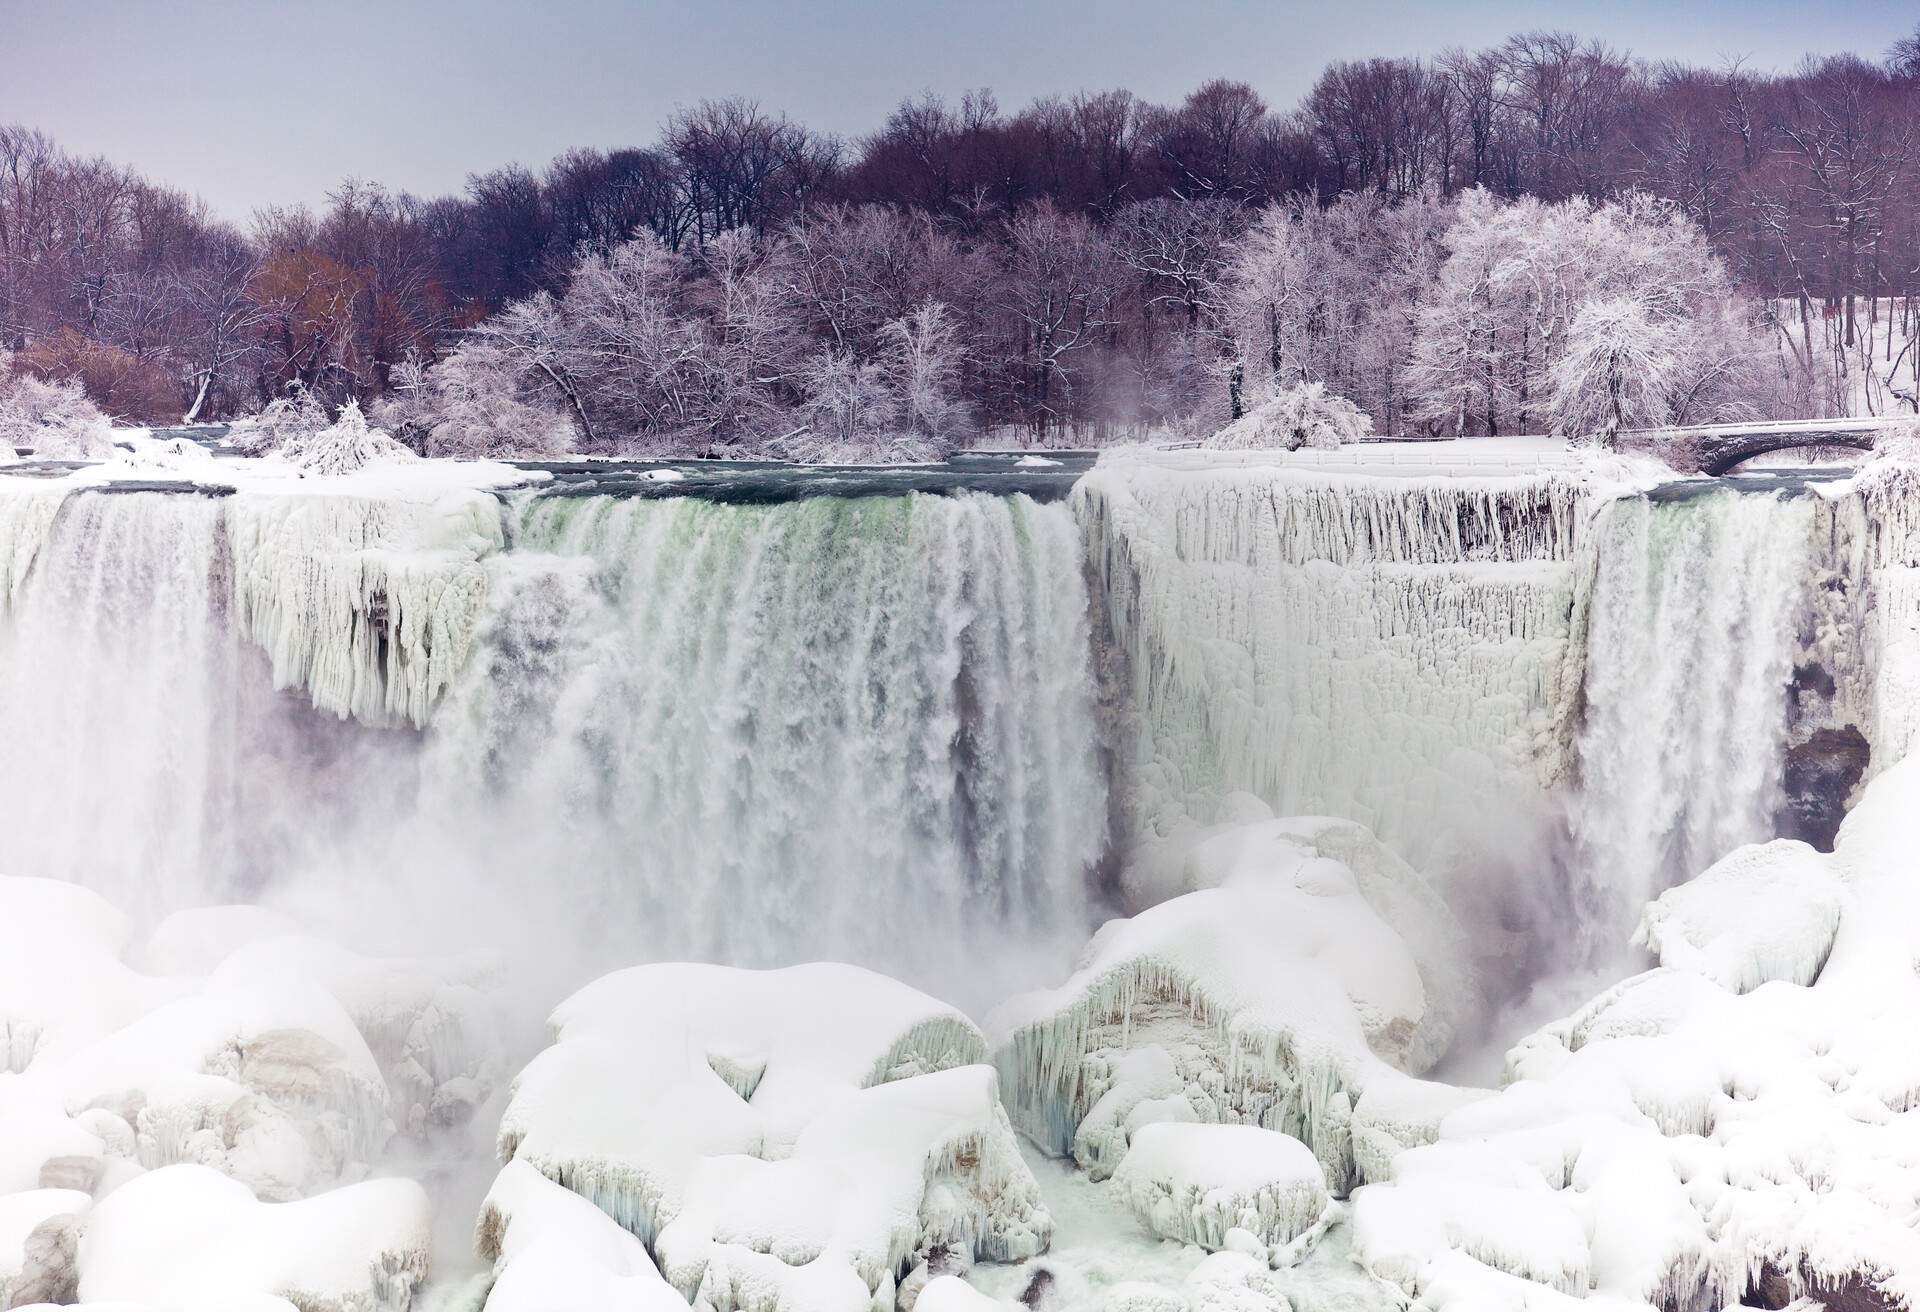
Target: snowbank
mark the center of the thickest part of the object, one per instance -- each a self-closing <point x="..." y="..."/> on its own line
<point x="792" y="1138"/>
<point x="184" y="1237"/>
<point x="1215" y="1185"/>
<point x="551" y="1248"/>
<point x="1737" y="1121"/>
<point x="1273" y="998"/>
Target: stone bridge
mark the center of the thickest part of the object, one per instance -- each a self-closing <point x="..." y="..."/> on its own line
<point x="1718" y="448"/>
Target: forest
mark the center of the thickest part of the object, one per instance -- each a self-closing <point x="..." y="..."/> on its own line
<point x="1548" y="235"/>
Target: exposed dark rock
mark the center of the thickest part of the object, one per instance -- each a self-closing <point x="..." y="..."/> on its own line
<point x="1849" y="1293"/>
<point x="1822" y="770"/>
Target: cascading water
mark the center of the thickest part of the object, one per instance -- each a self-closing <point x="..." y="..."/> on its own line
<point x="862" y="725"/>
<point x="832" y="728"/>
<point x="1693" y="607"/>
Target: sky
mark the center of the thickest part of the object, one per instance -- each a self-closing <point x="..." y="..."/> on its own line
<point x="248" y="103"/>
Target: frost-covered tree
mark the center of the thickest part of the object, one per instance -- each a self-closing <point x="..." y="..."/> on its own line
<point x="342" y="447"/>
<point x="293" y="416"/>
<point x="1617" y="371"/>
<point x="1303" y="416"/>
<point x="478" y="404"/>
<point x="1518" y="275"/>
<point x="1330" y="294"/>
<point x="922" y="356"/>
<point x="52" y="418"/>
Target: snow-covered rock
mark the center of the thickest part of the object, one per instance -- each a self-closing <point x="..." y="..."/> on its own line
<point x="656" y="1067"/>
<point x="1219" y="1185"/>
<point x="799" y="1138"/>
<point x="1271" y="998"/>
<point x="38" y="1232"/>
<point x="552" y="1249"/>
<point x="185" y="1237"/>
<point x="1738" y="1121"/>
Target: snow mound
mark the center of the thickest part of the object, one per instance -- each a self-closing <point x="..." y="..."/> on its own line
<point x="655" y="1067"/>
<point x="1200" y="1184"/>
<point x="551" y="1248"/>
<point x="797" y="1138"/>
<point x="1759" y="914"/>
<point x="186" y="1237"/>
<point x="880" y="1183"/>
<point x="952" y="1294"/>
<point x="276" y="1057"/>
<point x="1736" y="1125"/>
<point x="1272" y="998"/>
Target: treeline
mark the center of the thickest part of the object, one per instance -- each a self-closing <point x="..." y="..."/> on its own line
<point x="1079" y="266"/>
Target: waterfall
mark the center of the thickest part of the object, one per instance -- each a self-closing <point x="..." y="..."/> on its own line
<point x="1390" y="651"/>
<point x="1693" y="609"/>
<point x="864" y="724"/>
<point x="832" y="728"/>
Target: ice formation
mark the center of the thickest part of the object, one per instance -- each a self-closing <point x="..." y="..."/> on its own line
<point x="889" y="684"/>
<point x="788" y="1139"/>
<point x="1691" y="613"/>
<point x="1736" y="1121"/>
<point x="1375" y="648"/>
<point x="1219" y="1185"/>
<point x="1272" y="996"/>
<point x="229" y="1075"/>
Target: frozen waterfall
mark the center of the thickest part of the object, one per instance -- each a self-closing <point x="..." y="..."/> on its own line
<point x="1693" y="610"/>
<point x="845" y="727"/>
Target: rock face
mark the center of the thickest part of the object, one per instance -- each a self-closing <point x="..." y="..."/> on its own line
<point x="1822" y="770"/>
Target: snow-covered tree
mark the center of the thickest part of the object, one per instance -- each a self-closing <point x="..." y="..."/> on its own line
<point x="344" y="446"/>
<point x="294" y="416"/>
<point x="921" y="358"/>
<point x="53" y="418"/>
<point x="1302" y="416"/>
<point x="1517" y="277"/>
<point x="477" y="404"/>
<point x="1617" y="371"/>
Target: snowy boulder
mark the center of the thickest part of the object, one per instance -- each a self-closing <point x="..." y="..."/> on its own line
<point x="1272" y="999"/>
<point x="874" y="1187"/>
<point x="262" y="1077"/>
<point x="1758" y="914"/>
<point x="952" y="1294"/>
<point x="188" y="1238"/>
<point x="1735" y="1126"/>
<point x="551" y="1248"/>
<point x="38" y="1233"/>
<point x="799" y="1138"/>
<point x="35" y="1130"/>
<point x="62" y="981"/>
<point x="430" y="1025"/>
<point x="1200" y="1184"/>
<point x="657" y="1067"/>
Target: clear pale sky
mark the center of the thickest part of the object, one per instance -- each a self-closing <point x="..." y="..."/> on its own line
<point x="251" y="102"/>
